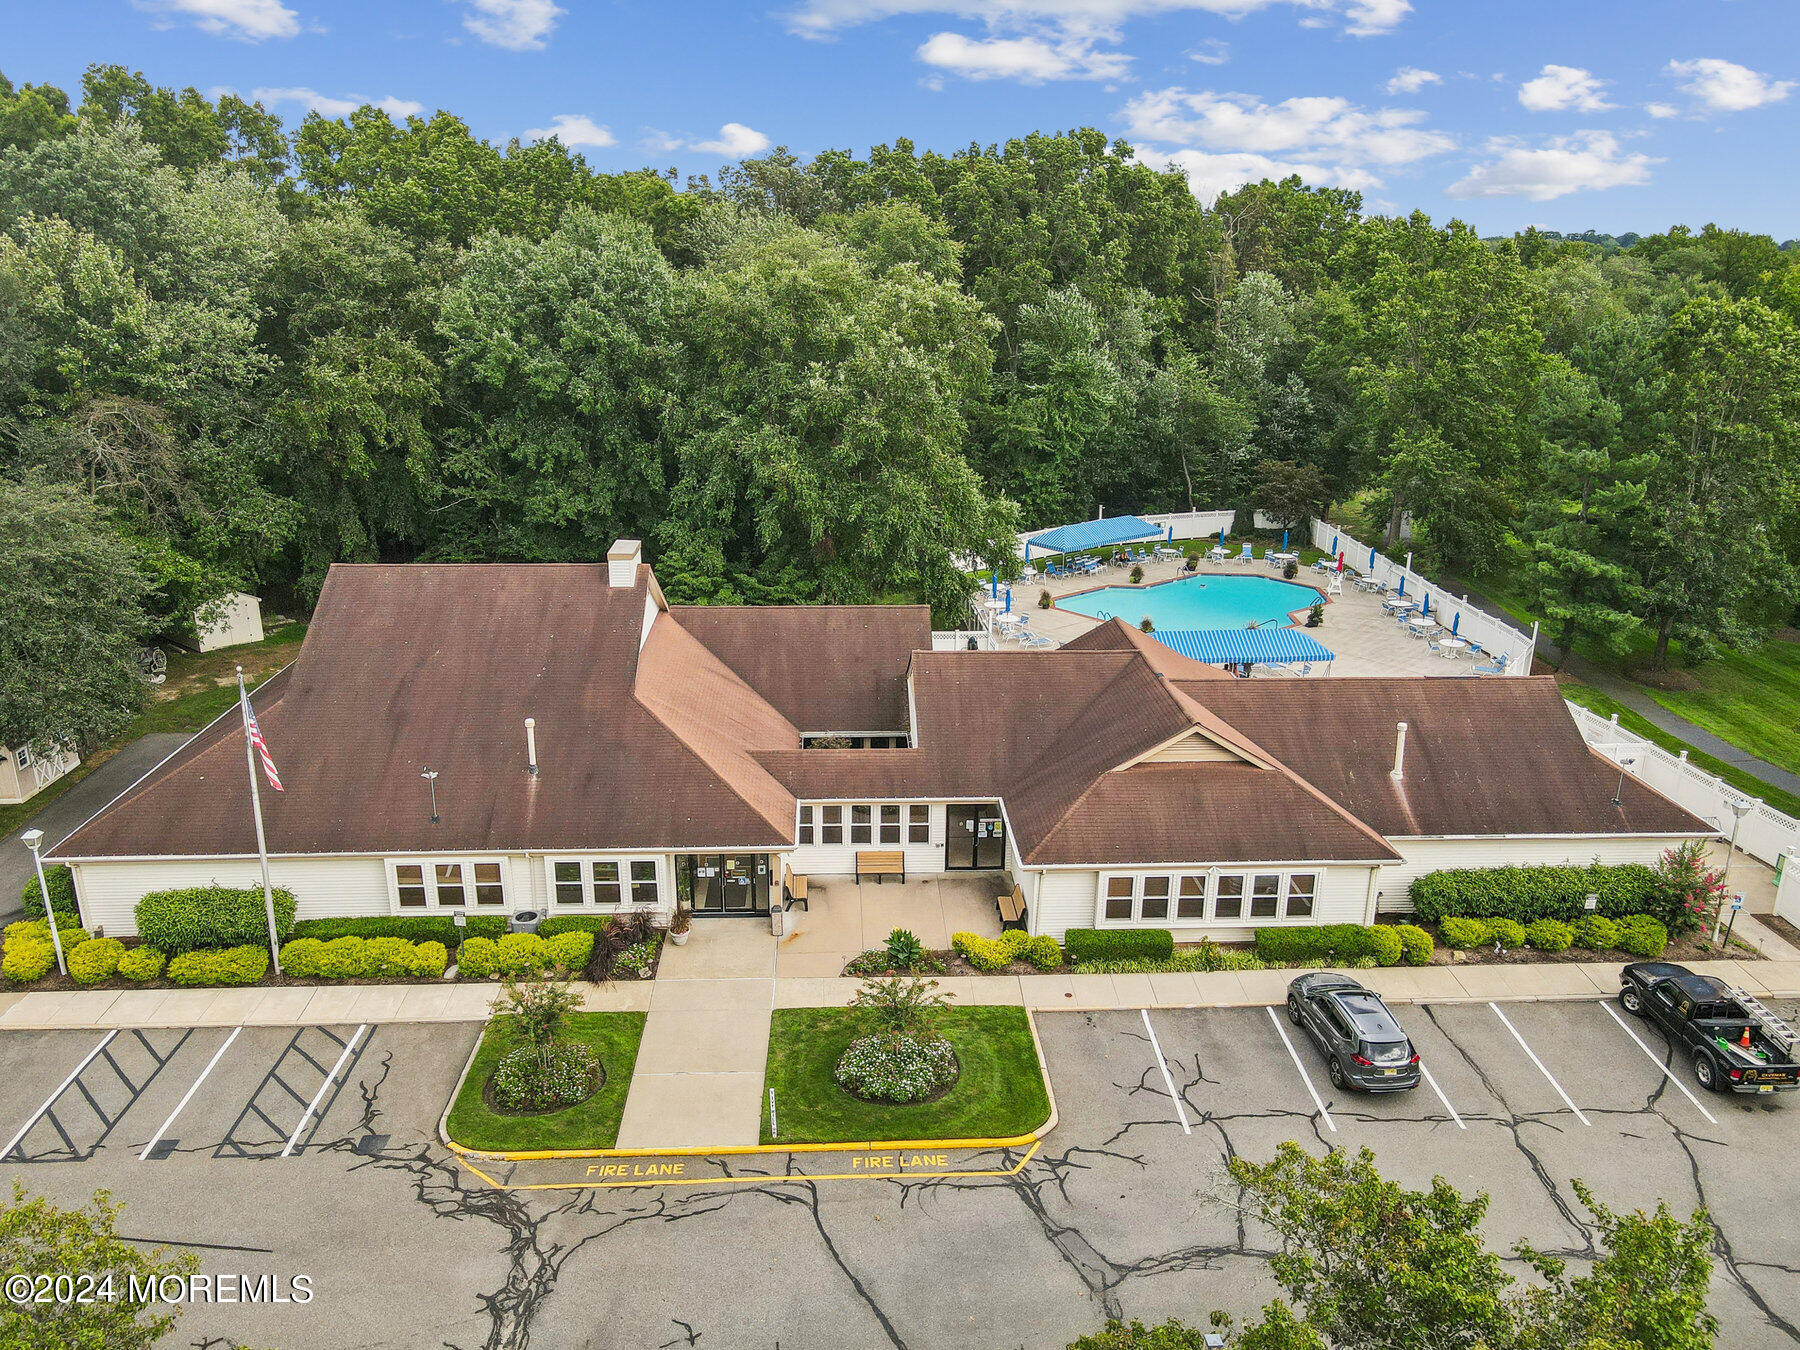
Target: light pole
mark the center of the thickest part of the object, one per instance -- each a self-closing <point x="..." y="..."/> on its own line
<point x="1624" y="762"/>
<point x="34" y="840"/>
<point x="430" y="776"/>
<point x="1739" y="809"/>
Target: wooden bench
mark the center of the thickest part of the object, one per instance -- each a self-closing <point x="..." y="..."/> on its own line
<point x="794" y="885"/>
<point x="881" y="864"/>
<point x="1012" y="909"/>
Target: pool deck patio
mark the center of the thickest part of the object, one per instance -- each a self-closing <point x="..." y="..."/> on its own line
<point x="1365" y="641"/>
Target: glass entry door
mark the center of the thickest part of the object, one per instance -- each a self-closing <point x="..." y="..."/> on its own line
<point x="975" y="837"/>
<point x="724" y="883"/>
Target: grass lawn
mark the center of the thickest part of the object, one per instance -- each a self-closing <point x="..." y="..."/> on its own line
<point x="1749" y="698"/>
<point x="999" y="1094"/>
<point x="1606" y="706"/>
<point x="594" y="1123"/>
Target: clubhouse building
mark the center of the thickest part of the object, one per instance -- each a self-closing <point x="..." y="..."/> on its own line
<point x="703" y="755"/>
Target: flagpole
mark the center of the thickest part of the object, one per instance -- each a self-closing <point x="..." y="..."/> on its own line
<point x="262" y="843"/>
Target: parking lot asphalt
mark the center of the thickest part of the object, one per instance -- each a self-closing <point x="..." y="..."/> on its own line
<point x="313" y="1151"/>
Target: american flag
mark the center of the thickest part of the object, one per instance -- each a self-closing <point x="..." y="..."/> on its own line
<point x="254" y="732"/>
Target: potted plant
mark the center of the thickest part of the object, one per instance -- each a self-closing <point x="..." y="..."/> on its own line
<point x="1193" y="562"/>
<point x="1044" y="601"/>
<point x="1145" y="626"/>
<point x="1137" y="574"/>
<point x="679" y="925"/>
<point x="1315" y="616"/>
<point x="1292" y="570"/>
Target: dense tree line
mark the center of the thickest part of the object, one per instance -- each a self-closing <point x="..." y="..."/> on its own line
<point x="231" y="354"/>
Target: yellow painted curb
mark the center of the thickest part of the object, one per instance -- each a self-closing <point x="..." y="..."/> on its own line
<point x="735" y="1150"/>
<point x="772" y="1180"/>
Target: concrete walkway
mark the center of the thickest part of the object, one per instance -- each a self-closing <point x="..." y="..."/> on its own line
<point x="699" y="1075"/>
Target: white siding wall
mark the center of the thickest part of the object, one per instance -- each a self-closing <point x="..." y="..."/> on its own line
<point x="1433" y="855"/>
<point x="323" y="887"/>
<point x="1071" y="900"/>
<point x="839" y="860"/>
<point x="1064" y="900"/>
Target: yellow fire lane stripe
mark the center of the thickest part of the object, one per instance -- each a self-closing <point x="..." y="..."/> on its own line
<point x="770" y="1180"/>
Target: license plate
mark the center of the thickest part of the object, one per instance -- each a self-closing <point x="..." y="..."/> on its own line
<point x="1389" y="1073"/>
<point x="1765" y="1088"/>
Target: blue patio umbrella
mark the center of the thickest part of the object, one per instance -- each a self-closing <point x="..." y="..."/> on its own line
<point x="1171" y="531"/>
<point x="1455" y="619"/>
<point x="1403" y="583"/>
<point x="994" y="582"/>
<point x="1008" y="609"/>
<point x="1221" y="536"/>
<point x="1284" y="535"/>
<point x="1371" y="557"/>
<point x="1334" y="547"/>
<point x="1424" y="609"/>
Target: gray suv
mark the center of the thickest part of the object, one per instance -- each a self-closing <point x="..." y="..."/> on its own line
<point x="1365" y="1049"/>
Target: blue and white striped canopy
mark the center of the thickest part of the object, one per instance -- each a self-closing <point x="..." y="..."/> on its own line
<point x="1241" y="646"/>
<point x="1092" y="534"/>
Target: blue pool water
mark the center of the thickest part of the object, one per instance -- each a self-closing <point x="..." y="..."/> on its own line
<point x="1198" y="602"/>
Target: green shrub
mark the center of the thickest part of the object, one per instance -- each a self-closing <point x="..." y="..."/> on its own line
<point x="478" y="958"/>
<point x="141" y="965"/>
<point x="522" y="954"/>
<point x="1524" y="894"/>
<point x="38" y="930"/>
<point x="1329" y="943"/>
<point x="1117" y="944"/>
<point x="1643" y="936"/>
<point x="413" y="927"/>
<point x="62" y="893"/>
<point x="1416" y="944"/>
<point x="430" y="960"/>
<point x="1461" y="934"/>
<point x="987" y="953"/>
<point x="1596" y="933"/>
<point x="1044" y="953"/>
<point x="387" y="956"/>
<point x="345" y="958"/>
<point x="220" y="966"/>
<point x="211" y="916"/>
<point x="301" y="957"/>
<point x="95" y="961"/>
<point x="575" y="923"/>
<point x="1549" y="935"/>
<point x="26" y="960"/>
<point x="570" y="949"/>
<point x="1509" y="933"/>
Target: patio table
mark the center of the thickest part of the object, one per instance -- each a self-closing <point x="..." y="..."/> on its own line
<point x="1282" y="559"/>
<point x="1452" y="645"/>
<point x="1398" y="605"/>
<point x="1424" y="621"/>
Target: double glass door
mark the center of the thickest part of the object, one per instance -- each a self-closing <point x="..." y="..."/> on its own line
<point x="724" y="883"/>
<point x="975" y="837"/>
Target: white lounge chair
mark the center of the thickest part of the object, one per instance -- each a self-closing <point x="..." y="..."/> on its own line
<point x="1246" y="555"/>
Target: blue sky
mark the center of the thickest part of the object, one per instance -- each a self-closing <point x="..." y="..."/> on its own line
<point x="1565" y="113"/>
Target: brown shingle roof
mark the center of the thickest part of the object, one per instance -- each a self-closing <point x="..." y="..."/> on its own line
<point x="1115" y="635"/>
<point x="824" y="667"/>
<point x="1496" y="756"/>
<point x="408" y="666"/>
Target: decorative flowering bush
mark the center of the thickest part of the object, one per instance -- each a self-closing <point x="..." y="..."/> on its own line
<point x="889" y="1067"/>
<point x="1687" y="888"/>
<point x="636" y="962"/>
<point x="533" y="1080"/>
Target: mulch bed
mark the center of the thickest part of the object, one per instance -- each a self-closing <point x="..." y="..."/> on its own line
<point x="1689" y="947"/>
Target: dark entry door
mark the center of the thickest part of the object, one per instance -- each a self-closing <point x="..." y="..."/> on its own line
<point x="726" y="883"/>
<point x="975" y="837"/>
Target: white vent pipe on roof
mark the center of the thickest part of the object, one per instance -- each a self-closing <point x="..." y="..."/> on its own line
<point x="531" y="746"/>
<point x="1399" y="751"/>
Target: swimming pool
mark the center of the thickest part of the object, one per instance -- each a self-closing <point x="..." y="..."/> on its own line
<point x="1207" y="601"/>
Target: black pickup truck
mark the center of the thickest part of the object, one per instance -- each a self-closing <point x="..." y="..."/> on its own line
<point x="1737" y="1045"/>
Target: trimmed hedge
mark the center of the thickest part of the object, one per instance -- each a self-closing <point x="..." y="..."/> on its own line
<point x="1329" y="943"/>
<point x="1643" y="936"/>
<point x="141" y="965"/>
<point x="351" y="958"/>
<point x="524" y="954"/>
<point x="1524" y="894"/>
<point x="211" y="916"/>
<point x="1118" y="944"/>
<point x="575" y="923"/>
<point x="992" y="953"/>
<point x="1596" y="932"/>
<point x="1461" y="934"/>
<point x="412" y="927"/>
<point x="1416" y="945"/>
<point x="95" y="961"/>
<point x="26" y="961"/>
<point x="38" y="930"/>
<point x="1044" y="953"/>
<point x="62" y="891"/>
<point x="229" y="965"/>
<point x="1549" y="935"/>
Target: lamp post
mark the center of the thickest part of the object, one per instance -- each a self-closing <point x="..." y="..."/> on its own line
<point x="1625" y="761"/>
<point x="431" y="776"/>
<point x="34" y="840"/>
<point x="1739" y="809"/>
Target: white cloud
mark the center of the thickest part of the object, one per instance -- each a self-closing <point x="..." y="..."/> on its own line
<point x="247" y="20"/>
<point x="1089" y="18"/>
<point x="1564" y="164"/>
<point x="517" y="25"/>
<point x="1564" y="88"/>
<point x="1030" y="59"/>
<point x="1210" y="174"/>
<point x="1725" y="86"/>
<point x="1410" y="79"/>
<point x="1211" y="52"/>
<point x="327" y="106"/>
<point x="1660" y="110"/>
<point x="735" y="142"/>
<point x="576" y="131"/>
<point x="1333" y="130"/>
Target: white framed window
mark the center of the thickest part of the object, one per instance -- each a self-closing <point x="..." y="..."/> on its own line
<point x="450" y="884"/>
<point x="890" y="823"/>
<point x="602" y="883"/>
<point x="918" y="824"/>
<point x="1159" y="898"/>
<point x="1121" y="899"/>
<point x="22" y="757"/>
<point x="861" y="824"/>
<point x="1300" y="890"/>
<point x="831" y="825"/>
<point x="1190" y="899"/>
<point x="1265" y="894"/>
<point x="1229" y="903"/>
<point x="806" y="823"/>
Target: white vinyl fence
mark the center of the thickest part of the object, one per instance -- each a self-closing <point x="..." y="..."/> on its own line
<point x="1766" y="833"/>
<point x="1496" y="637"/>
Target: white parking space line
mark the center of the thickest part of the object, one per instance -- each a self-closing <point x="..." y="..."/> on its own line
<point x="1667" y="1072"/>
<point x="1540" y="1064"/>
<point x="1294" y="1055"/>
<point x="50" y="1101"/>
<point x="1168" y="1081"/>
<point x="1441" y="1097"/>
<point x="164" y="1129"/>
<point x="319" y="1096"/>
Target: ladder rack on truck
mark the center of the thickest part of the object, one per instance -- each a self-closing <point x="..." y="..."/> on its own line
<point x="1772" y="1026"/>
